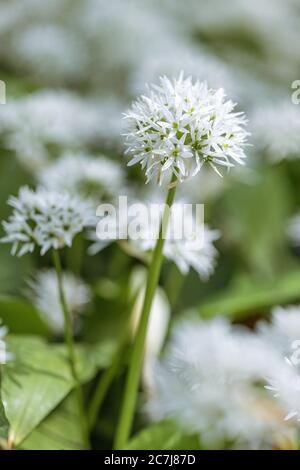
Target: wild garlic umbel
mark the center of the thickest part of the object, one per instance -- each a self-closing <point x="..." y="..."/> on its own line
<point x="182" y="125"/>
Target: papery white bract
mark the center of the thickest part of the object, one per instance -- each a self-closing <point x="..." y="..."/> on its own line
<point x="98" y="178"/>
<point x="44" y="219"/>
<point x="45" y="296"/>
<point x="182" y="125"/>
<point x="208" y="383"/>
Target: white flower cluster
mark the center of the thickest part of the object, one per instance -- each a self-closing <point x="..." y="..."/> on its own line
<point x="45" y="296"/>
<point x="182" y="125"/>
<point x="94" y="177"/>
<point x="208" y="383"/>
<point x="44" y="219"/>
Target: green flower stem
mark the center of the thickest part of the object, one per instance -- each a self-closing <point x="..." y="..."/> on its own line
<point x="102" y="388"/>
<point x="111" y="372"/>
<point x="136" y="361"/>
<point x="70" y="346"/>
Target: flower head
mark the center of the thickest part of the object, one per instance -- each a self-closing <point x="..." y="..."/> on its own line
<point x="45" y="295"/>
<point x="180" y="126"/>
<point x="44" y="219"/>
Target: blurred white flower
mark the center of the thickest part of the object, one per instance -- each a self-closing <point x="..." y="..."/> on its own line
<point x="195" y="61"/>
<point x="95" y="177"/>
<point x="44" y="219"/>
<point x="243" y="32"/>
<point x="44" y="294"/>
<point x="276" y="130"/>
<point x="138" y="30"/>
<point x="39" y="124"/>
<point x="14" y="14"/>
<point x="51" y="52"/>
<point x="209" y="383"/>
<point x="194" y="249"/>
<point x="285" y="386"/>
<point x="182" y="125"/>
<point x="283" y="334"/>
<point x="283" y="329"/>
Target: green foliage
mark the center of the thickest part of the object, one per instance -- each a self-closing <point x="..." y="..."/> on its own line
<point x="59" y="431"/>
<point x="21" y="317"/>
<point x="4" y="425"/>
<point x="249" y="297"/>
<point x="254" y="218"/>
<point x="39" y="379"/>
<point x="162" y="436"/>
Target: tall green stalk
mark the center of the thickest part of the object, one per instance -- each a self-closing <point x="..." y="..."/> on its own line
<point x="136" y="362"/>
<point x="68" y="331"/>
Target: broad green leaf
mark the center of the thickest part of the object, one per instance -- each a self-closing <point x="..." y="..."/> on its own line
<point x="61" y="429"/>
<point x="240" y="300"/>
<point x="162" y="436"/>
<point x="34" y="383"/>
<point x="21" y="317"/>
<point x="39" y="378"/>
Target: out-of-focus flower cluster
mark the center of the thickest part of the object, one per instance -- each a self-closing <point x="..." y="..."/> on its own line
<point x="43" y="291"/>
<point x="232" y="386"/>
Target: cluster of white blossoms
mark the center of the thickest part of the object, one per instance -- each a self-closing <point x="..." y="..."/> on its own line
<point x="180" y="127"/>
<point x="276" y="128"/>
<point x="44" y="219"/>
<point x="94" y="177"/>
<point x="209" y="383"/>
<point x="45" y="296"/>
